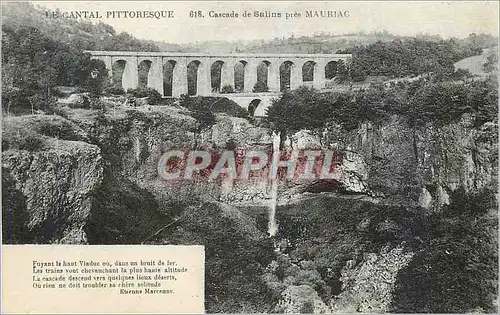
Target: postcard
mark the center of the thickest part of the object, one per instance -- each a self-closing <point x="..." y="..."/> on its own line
<point x="249" y="157"/>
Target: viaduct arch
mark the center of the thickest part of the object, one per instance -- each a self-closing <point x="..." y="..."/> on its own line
<point x="167" y="72"/>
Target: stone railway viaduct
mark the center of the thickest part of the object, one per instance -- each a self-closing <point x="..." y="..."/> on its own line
<point x="127" y="65"/>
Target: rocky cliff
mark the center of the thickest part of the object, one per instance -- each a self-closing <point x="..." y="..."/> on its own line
<point x="91" y="178"/>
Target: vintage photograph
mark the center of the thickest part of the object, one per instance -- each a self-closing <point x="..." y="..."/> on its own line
<point x="330" y="157"/>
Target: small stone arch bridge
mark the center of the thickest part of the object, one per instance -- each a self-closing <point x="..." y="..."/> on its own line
<point x="173" y="74"/>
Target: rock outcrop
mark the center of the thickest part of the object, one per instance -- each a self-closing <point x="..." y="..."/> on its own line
<point x="57" y="186"/>
<point x="368" y="286"/>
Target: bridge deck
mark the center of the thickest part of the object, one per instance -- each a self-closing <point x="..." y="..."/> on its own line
<point x="205" y="55"/>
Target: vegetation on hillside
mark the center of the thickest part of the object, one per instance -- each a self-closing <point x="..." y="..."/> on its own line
<point x="419" y="102"/>
<point x="78" y="34"/>
<point x="33" y="64"/>
<point x="413" y="56"/>
<point x="456" y="269"/>
<point x="51" y="54"/>
<point x="39" y="54"/>
<point x="203" y="109"/>
<point x="234" y="259"/>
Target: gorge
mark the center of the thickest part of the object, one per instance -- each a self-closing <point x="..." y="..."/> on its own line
<point x="289" y="246"/>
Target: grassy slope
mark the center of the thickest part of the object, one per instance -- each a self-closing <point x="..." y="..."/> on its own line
<point x="475" y="63"/>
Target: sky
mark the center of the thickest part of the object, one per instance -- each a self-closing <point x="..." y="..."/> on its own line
<point x="448" y="19"/>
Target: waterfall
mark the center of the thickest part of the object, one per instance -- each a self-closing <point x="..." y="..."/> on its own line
<point x="273" y="225"/>
<point x="137" y="149"/>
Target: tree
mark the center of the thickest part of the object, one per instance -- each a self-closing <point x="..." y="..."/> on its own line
<point x="95" y="75"/>
<point x="153" y="96"/>
<point x="34" y="64"/>
<point x="462" y="74"/>
<point x="298" y="109"/>
<point x="343" y="74"/>
<point x="260" y="87"/>
<point x="491" y="63"/>
<point x="200" y="111"/>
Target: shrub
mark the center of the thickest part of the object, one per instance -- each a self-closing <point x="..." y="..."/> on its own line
<point x="462" y="74"/>
<point x="79" y="100"/>
<point x="342" y="74"/>
<point x="227" y="89"/>
<point x="224" y="105"/>
<point x="57" y="110"/>
<point x="81" y="89"/>
<point x="15" y="101"/>
<point x="205" y="117"/>
<point x="260" y="87"/>
<point x="214" y="104"/>
<point x="19" y="138"/>
<point x="114" y="90"/>
<point x="60" y="92"/>
<point x="201" y="110"/>
<point x="154" y="97"/>
<point x="57" y="128"/>
<point x="491" y="63"/>
<point x="167" y="101"/>
<point x="96" y="75"/>
<point x="96" y="103"/>
<point x="43" y="102"/>
<point x="138" y="92"/>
